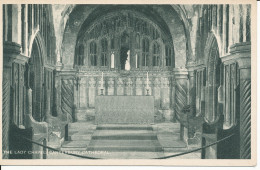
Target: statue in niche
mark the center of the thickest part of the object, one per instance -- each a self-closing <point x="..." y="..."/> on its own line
<point x="125" y="39"/>
<point x="127" y="63"/>
<point x="125" y="52"/>
<point x="123" y="57"/>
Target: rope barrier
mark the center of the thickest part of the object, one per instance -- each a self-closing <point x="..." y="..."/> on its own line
<point x="194" y="150"/>
<point x="56" y="150"/>
<point x="165" y="157"/>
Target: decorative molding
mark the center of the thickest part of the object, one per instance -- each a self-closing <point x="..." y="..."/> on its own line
<point x="181" y="73"/>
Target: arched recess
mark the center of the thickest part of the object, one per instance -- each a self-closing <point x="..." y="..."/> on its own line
<point x="214" y="76"/>
<point x="81" y="17"/>
<point x="36" y="77"/>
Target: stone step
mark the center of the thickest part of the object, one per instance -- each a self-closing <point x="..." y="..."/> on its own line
<point x="80" y="137"/>
<point x="89" y="132"/>
<point x="78" y="126"/>
<point x="124" y="135"/>
<point x="73" y="149"/>
<point x="75" y="144"/>
<point x="109" y="155"/>
<point x="123" y="127"/>
<point x="169" y="139"/>
<point x="167" y="127"/>
<point x="125" y="145"/>
<point x="175" y="150"/>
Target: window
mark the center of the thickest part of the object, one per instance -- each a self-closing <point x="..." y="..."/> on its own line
<point x="156" y="54"/>
<point x="93" y="53"/>
<point x="168" y="55"/>
<point x="137" y="41"/>
<point x="112" y="44"/>
<point x="104" y="51"/>
<point x="145" y="52"/>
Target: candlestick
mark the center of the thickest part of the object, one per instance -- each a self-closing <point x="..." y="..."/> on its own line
<point x="147" y="80"/>
<point x="188" y="95"/>
<point x="102" y="80"/>
<point x="136" y="61"/>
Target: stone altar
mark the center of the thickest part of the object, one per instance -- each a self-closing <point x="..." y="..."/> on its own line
<point x="124" y="110"/>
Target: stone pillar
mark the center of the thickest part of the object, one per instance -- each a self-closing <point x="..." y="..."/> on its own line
<point x="241" y="54"/>
<point x="173" y="97"/>
<point x="11" y="54"/>
<point x="57" y="91"/>
<point x="191" y="99"/>
<point x="181" y="76"/>
<point x="7" y="68"/>
<point x="245" y="112"/>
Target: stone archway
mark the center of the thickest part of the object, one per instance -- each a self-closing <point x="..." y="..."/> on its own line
<point x="79" y="16"/>
<point x="213" y="126"/>
<point x="213" y="80"/>
<point x="36" y="77"/>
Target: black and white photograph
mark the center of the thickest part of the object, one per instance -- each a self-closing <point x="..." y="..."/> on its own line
<point x="158" y="82"/>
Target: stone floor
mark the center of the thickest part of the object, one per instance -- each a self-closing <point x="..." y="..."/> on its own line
<point x="124" y="142"/>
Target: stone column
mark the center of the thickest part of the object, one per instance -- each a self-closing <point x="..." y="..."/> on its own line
<point x="241" y="54"/>
<point x="181" y="76"/>
<point x="191" y="99"/>
<point x="11" y="54"/>
<point x="173" y="97"/>
<point x="57" y="91"/>
<point x="245" y="112"/>
<point x="7" y="66"/>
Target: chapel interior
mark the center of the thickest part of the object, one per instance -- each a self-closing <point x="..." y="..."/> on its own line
<point x="126" y="81"/>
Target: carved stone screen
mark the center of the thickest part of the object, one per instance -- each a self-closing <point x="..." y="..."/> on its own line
<point x="124" y="109"/>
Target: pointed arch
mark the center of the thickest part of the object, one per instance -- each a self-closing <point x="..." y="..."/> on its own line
<point x="36" y="75"/>
<point x="214" y="75"/>
<point x="37" y="38"/>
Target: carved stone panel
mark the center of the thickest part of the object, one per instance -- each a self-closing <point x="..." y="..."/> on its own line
<point x="120" y="87"/>
<point x="129" y="87"/>
<point x="110" y="86"/>
<point x="83" y="93"/>
<point x="139" y="84"/>
<point x="91" y="92"/>
<point x="165" y="93"/>
<point x="157" y="92"/>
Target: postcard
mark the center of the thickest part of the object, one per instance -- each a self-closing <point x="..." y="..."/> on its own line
<point x="128" y="82"/>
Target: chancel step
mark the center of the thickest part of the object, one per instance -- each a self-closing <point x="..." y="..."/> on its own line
<point x="125" y="145"/>
<point x="124" y="135"/>
<point x="124" y="127"/>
